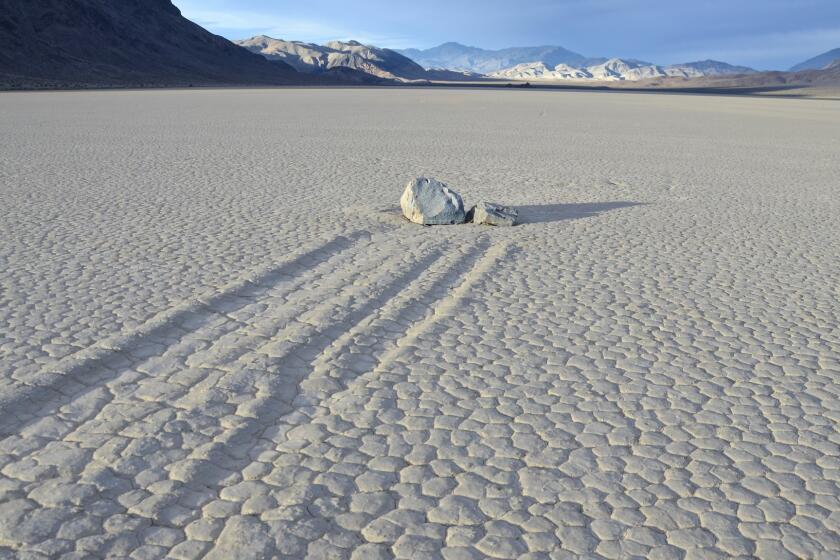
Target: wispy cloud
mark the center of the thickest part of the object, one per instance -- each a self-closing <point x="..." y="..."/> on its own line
<point x="248" y="21"/>
<point x="242" y="24"/>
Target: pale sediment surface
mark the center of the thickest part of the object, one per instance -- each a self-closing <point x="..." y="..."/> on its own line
<point x="218" y="338"/>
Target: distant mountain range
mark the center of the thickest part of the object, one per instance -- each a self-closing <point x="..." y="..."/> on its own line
<point x="458" y="57"/>
<point x="617" y="69"/>
<point x="553" y="63"/>
<point x="129" y="42"/>
<point x="315" y="59"/>
<point x="824" y="77"/>
<point x="84" y="43"/>
<point x="452" y="61"/>
<point x="818" y="62"/>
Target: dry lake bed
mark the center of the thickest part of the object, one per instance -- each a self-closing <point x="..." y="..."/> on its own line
<point x="219" y="339"/>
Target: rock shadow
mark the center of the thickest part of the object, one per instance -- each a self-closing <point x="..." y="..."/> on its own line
<point x="547" y="213"/>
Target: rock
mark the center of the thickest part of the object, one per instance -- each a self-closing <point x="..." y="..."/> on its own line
<point x="430" y="202"/>
<point x="491" y="214"/>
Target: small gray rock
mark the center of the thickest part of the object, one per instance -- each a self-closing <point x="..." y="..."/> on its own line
<point x="491" y="214"/>
<point x="430" y="202"/>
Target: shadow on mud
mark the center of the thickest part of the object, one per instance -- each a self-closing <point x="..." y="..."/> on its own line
<point x="546" y="213"/>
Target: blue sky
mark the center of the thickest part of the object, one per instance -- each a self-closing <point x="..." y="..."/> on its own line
<point x="764" y="34"/>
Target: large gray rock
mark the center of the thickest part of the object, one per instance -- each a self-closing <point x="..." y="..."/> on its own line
<point x="430" y="202"/>
<point x="491" y="214"/>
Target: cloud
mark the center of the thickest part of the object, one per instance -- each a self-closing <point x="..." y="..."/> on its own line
<point x="247" y="21"/>
<point x="241" y="24"/>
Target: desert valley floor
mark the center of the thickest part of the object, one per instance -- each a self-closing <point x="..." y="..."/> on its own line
<point x="219" y="339"/>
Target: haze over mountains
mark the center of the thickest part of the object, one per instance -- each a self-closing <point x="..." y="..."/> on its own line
<point x="554" y="63"/>
<point x="551" y="63"/>
<point x="455" y="56"/>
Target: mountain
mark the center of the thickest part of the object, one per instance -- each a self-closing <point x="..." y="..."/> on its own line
<point x="539" y="71"/>
<point x="818" y="62"/>
<point x="312" y="58"/>
<point x="713" y="68"/>
<point x="616" y="69"/>
<point x="126" y="42"/>
<point x="802" y="82"/>
<point x="828" y="76"/>
<point x="458" y="57"/>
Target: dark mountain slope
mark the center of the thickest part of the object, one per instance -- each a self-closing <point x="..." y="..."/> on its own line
<point x="122" y="42"/>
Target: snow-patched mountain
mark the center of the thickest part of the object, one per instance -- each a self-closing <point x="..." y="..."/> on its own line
<point x="819" y="62"/>
<point x="312" y="58"/>
<point x="616" y="69"/>
<point x="539" y="71"/>
<point x="458" y="57"/>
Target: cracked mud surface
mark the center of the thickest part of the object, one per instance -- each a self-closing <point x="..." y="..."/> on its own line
<point x="219" y="340"/>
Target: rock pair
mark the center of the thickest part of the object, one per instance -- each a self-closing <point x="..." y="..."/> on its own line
<point x="429" y="202"/>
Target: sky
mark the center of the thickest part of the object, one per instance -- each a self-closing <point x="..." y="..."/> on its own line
<point x="763" y="34"/>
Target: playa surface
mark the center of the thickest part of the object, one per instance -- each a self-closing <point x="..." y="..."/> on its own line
<point x="219" y="339"/>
